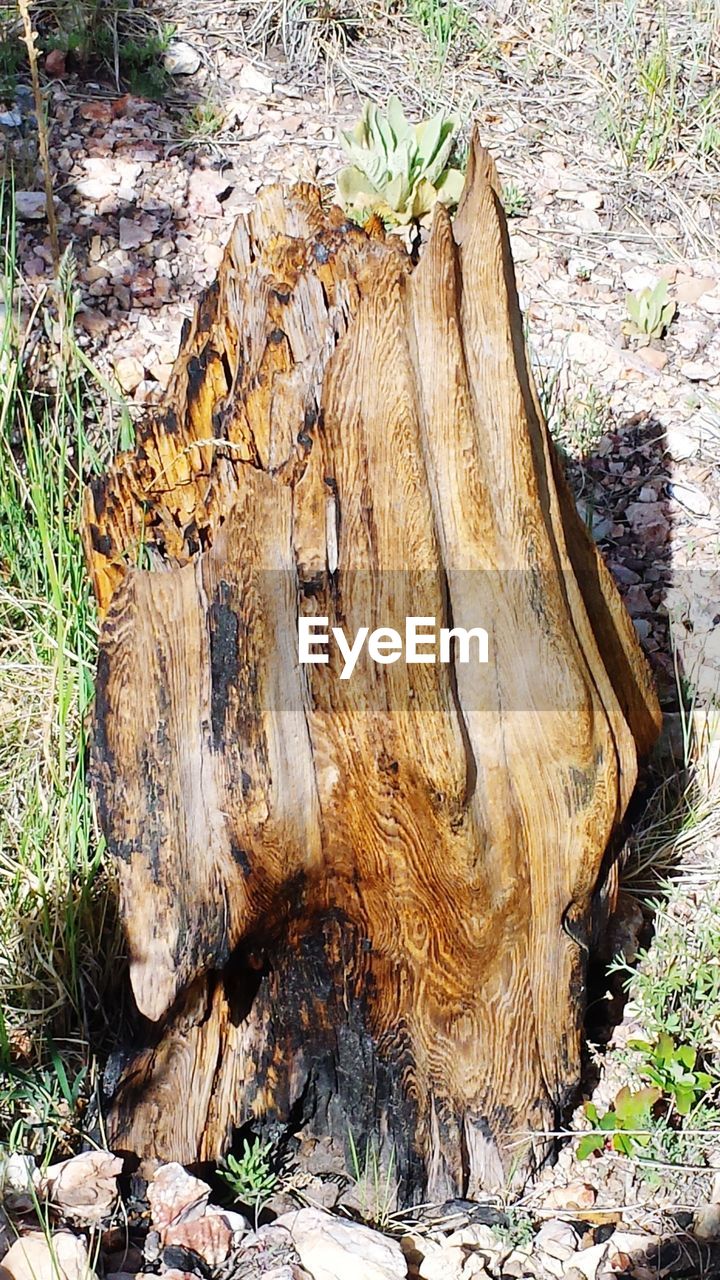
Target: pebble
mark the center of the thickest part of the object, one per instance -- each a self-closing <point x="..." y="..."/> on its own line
<point x="557" y="1239"/>
<point x="30" y="205"/>
<point x="129" y="372"/>
<point x="214" y="254"/>
<point x="330" y="1247"/>
<point x="35" y="1257"/>
<point x="691" y="497"/>
<point x="55" y="63"/>
<point x="690" y="288"/>
<point x="653" y="357"/>
<point x="636" y="601"/>
<point x="255" y="80"/>
<point x="181" y="59"/>
<point x="175" y="1193"/>
<point x="699" y="370"/>
<point x="648" y="519"/>
<point x="522" y="249"/>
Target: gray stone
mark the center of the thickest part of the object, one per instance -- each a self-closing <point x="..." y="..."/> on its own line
<point x="255" y="80"/>
<point x="181" y="59"/>
<point x="30" y="205"/>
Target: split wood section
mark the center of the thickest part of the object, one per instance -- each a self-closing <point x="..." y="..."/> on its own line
<point x="357" y="906"/>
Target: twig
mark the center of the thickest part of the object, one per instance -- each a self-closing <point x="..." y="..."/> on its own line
<point x="30" y="37"/>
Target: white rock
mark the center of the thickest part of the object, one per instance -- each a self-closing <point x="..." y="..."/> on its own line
<point x="586" y="219"/>
<point x="94" y="188"/>
<point x="522" y="249"/>
<point x="30" y="205"/>
<point x="175" y="1193"/>
<point x="85" y="1186"/>
<point x="252" y="78"/>
<point x="10" y="119"/>
<point x="633" y="1243"/>
<point x="19" y="1181"/>
<point x="639" y="278"/>
<point x="579" y="268"/>
<point x="445" y="1263"/>
<point x="590" y="1261"/>
<point x="691" y="335"/>
<point x="699" y="370"/>
<point x="34" y="1257"/>
<point x="682" y="440"/>
<point x="710" y="302"/>
<point x="477" y="1236"/>
<point x="181" y="59"/>
<point x="591" y="199"/>
<point x="689" y="496"/>
<point x="557" y="1239"/>
<point x="551" y="1266"/>
<point x="237" y="1222"/>
<point x="129" y="372"/>
<point x="474" y="1268"/>
<point x="331" y="1249"/>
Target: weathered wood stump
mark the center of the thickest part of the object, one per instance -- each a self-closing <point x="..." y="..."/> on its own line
<point x="357" y="905"/>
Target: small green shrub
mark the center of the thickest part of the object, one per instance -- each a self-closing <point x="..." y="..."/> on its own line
<point x="204" y="120"/>
<point x="519" y="1229"/>
<point x="671" y="1068"/>
<point x="41" y="1109"/>
<point x="676" y="984"/>
<point x="440" y="22"/>
<point x="649" y="311"/>
<point x="376" y="1189"/>
<point x="398" y="170"/>
<point x="515" y="201"/>
<point x="625" y="1126"/>
<point x="250" y="1176"/>
<point x="675" y="1088"/>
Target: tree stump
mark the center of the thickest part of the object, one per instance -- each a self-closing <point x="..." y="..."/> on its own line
<point x="357" y="907"/>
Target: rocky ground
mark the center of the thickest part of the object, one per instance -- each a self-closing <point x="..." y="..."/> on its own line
<point x="148" y="206"/>
<point x="169" y="1227"/>
<point x="147" y="203"/>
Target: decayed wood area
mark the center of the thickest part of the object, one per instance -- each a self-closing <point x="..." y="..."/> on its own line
<point x="357" y="905"/>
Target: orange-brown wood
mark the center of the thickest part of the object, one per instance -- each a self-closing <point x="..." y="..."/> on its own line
<point x="357" y="905"/>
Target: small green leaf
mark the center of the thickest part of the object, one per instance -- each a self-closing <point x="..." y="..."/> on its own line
<point x="624" y="1143"/>
<point x="589" y="1144"/>
<point x="397" y="118"/>
<point x="450" y="187"/>
<point x="684" y="1099"/>
<point x="640" y="1046"/>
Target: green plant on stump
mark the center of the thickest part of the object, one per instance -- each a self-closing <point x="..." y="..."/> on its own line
<point x="398" y="170"/>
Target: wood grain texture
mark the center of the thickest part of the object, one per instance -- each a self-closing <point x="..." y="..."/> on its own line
<point x="358" y="904"/>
